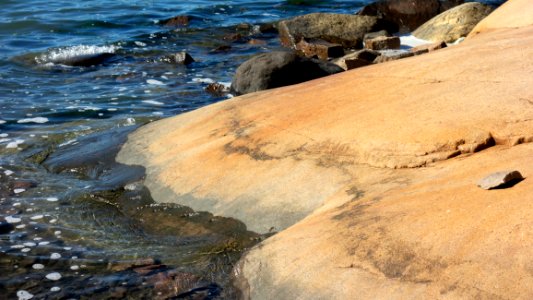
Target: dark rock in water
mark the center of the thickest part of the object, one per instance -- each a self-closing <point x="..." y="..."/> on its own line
<point x="216" y="89"/>
<point x="454" y="23"/>
<point x="277" y="69"/>
<point x="24" y="184"/>
<point x="427" y="48"/>
<point x="319" y="48"/>
<point x="404" y="15"/>
<point x="177" y="21"/>
<point x="6" y="227"/>
<point x="356" y="59"/>
<point x="500" y="180"/>
<point x="233" y="37"/>
<point x="268" y="28"/>
<point x="256" y="42"/>
<point x="383" y="43"/>
<point x="347" y="30"/>
<point x="183" y="58"/>
<point x="373" y="35"/>
<point x="243" y="27"/>
<point x="221" y="48"/>
<point x="390" y="57"/>
<point x="87" y="60"/>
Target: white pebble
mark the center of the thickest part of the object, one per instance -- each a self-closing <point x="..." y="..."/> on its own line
<point x="55" y="289"/>
<point x="52" y="199"/>
<point x="53" y="276"/>
<point x="18" y="191"/>
<point x="13" y="220"/>
<point x="30" y="244"/>
<point x="24" y="295"/>
<point x="37" y="217"/>
<point x="154" y="82"/>
<point x="38" y="266"/>
<point x="55" y="256"/>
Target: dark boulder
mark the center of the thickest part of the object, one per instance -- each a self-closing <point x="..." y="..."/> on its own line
<point x="87" y="60"/>
<point x="347" y="30"/>
<point x="406" y="15"/>
<point x="277" y="69"/>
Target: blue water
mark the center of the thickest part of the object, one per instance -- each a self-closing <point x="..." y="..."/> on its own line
<point x="47" y="107"/>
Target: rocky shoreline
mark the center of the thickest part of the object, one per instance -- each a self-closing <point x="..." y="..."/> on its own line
<point x="369" y="176"/>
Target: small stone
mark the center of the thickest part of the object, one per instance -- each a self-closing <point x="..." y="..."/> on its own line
<point x="24" y="295"/>
<point x="55" y="276"/>
<point x="501" y="179"/>
<point x="183" y="58"/>
<point x="427" y="48"/>
<point x="320" y="48"/>
<point x="216" y="89"/>
<point x="383" y="43"/>
<point x="233" y="37"/>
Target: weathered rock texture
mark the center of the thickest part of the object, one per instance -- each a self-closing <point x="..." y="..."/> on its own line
<point x="277" y="69"/>
<point x="454" y="23"/>
<point x="373" y="174"/>
<point x="406" y="15"/>
<point x="347" y="30"/>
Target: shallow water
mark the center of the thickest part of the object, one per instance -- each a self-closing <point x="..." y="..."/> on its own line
<point x="70" y="208"/>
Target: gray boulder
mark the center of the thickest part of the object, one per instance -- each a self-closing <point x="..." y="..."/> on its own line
<point x="454" y="23"/>
<point x="277" y="69"/>
<point x="347" y="30"/>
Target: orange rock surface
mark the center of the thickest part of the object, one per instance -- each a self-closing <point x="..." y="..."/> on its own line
<point x="370" y="175"/>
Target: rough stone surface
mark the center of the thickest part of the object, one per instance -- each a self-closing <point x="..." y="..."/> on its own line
<point x="454" y="23"/>
<point x="373" y="174"/>
<point x="383" y="43"/>
<point x="405" y="15"/>
<point x="373" y="35"/>
<point x="183" y="58"/>
<point x="277" y="69"/>
<point x="512" y="14"/>
<point x="385" y="57"/>
<point x="347" y="30"/>
<point x="319" y="48"/>
<point x="499" y="179"/>
<point x="356" y="59"/>
<point x="428" y="48"/>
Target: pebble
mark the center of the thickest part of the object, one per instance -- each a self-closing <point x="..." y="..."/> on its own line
<point x="55" y="256"/>
<point x="499" y="179"/>
<point x="13" y="220"/>
<point x="38" y="266"/>
<point x="24" y="295"/>
<point x="53" y="276"/>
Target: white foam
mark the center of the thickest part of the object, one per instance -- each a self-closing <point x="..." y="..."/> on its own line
<point x="13" y="220"/>
<point x="44" y="243"/>
<point x="18" y="191"/>
<point x="14" y="144"/>
<point x="38" y="266"/>
<point x="39" y="120"/>
<point x="154" y="82"/>
<point x="8" y="172"/>
<point x="140" y="44"/>
<point x="3" y="135"/>
<point x="17" y="246"/>
<point x="65" y="53"/>
<point x="202" y="80"/>
<point x="24" y="295"/>
<point x="24" y="250"/>
<point x="412" y="41"/>
<point x="153" y="102"/>
<point x="20" y="226"/>
<point x="30" y="244"/>
<point x="52" y="199"/>
<point x="74" y="267"/>
<point x="4" y="140"/>
<point x="53" y="276"/>
<point x="37" y="217"/>
<point x="55" y="256"/>
<point x="2" y="122"/>
<point x="55" y="289"/>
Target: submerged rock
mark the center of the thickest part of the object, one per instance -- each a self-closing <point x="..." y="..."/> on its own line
<point x="216" y="89"/>
<point x="385" y="57"/>
<point x="277" y="69"/>
<point x="500" y="180"/>
<point x="181" y="20"/>
<point x="454" y="23"/>
<point x="182" y="57"/>
<point x="347" y="30"/>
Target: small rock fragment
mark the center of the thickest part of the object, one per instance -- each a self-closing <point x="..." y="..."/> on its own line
<point x="383" y="43"/>
<point x="501" y="179"/>
<point x="216" y="89"/>
<point x="320" y="48"/>
<point x="183" y="58"/>
<point x="427" y="48"/>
